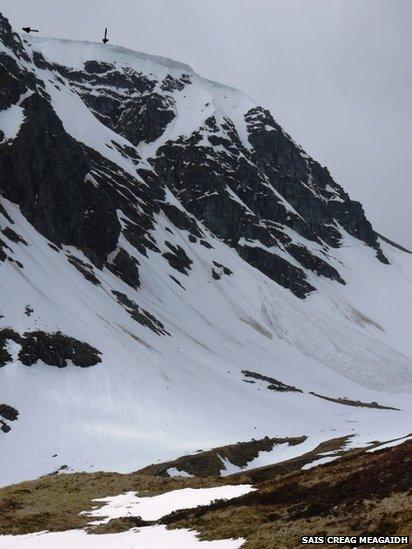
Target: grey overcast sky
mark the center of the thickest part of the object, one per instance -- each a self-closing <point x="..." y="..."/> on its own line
<point x="337" y="74"/>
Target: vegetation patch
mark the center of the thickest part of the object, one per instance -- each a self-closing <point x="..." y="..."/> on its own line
<point x="363" y="492"/>
<point x="123" y="524"/>
<point x="55" y="502"/>
<point x="211" y="462"/>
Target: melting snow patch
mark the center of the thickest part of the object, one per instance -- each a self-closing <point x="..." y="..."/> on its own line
<point x="173" y="472"/>
<point x="154" y="508"/>
<point x="278" y="454"/>
<point x="320" y="461"/>
<point x="230" y="468"/>
<point x="391" y="443"/>
<point x="153" y="537"/>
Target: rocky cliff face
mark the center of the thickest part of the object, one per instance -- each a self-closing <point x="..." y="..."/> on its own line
<point x="258" y="192"/>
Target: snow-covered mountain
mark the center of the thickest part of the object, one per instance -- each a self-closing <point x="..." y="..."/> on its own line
<point x="176" y="273"/>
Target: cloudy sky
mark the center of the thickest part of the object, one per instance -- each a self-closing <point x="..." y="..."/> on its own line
<point x="337" y="74"/>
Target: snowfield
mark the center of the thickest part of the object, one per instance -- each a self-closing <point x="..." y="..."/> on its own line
<point x="154" y="398"/>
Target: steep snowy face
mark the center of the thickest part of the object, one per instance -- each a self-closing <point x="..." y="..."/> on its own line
<point x="155" y="125"/>
<point x="176" y="272"/>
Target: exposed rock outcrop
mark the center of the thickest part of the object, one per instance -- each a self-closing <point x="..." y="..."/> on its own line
<point x="54" y="349"/>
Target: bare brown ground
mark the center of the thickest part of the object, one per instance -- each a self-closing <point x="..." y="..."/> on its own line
<point x="363" y="493"/>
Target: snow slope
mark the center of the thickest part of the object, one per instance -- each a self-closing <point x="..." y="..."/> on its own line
<point x="154" y="397"/>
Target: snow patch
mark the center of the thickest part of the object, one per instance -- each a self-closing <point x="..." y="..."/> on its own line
<point x="11" y="120"/>
<point x="155" y="537"/>
<point x="320" y="461"/>
<point x="156" y="507"/>
<point x="173" y="472"/>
